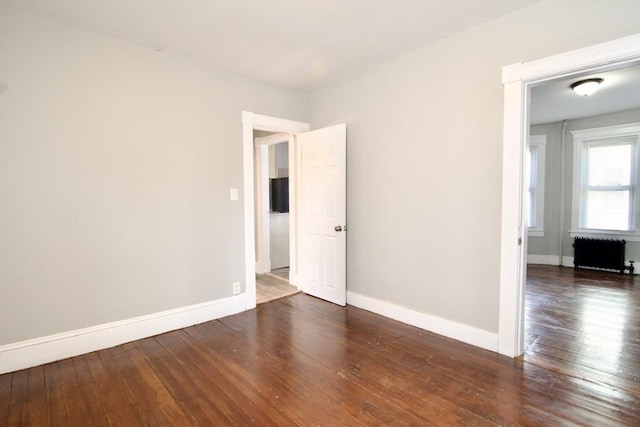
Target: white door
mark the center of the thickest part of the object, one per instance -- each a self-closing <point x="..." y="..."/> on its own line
<point x="323" y="206"/>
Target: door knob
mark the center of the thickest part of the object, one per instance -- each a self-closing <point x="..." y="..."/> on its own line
<point x="338" y="228"/>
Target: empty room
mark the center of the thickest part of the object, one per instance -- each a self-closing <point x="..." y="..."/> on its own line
<point x="433" y="199"/>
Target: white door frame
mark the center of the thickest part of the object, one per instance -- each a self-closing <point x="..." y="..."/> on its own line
<point x="251" y="122"/>
<point x="517" y="80"/>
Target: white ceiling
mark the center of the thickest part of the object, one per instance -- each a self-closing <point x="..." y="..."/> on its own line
<point x="307" y="43"/>
<point x="297" y="44"/>
<point x="554" y="101"/>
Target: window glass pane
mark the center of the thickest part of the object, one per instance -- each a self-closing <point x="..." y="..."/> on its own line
<point x="607" y="210"/>
<point x="532" y="208"/>
<point x="609" y="165"/>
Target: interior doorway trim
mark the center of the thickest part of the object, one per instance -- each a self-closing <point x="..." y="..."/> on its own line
<point x="517" y="80"/>
<point x="250" y="122"/>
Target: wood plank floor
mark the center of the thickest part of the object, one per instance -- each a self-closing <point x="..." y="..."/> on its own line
<point x="584" y="324"/>
<point x="270" y="287"/>
<point x="281" y="272"/>
<point x="302" y="361"/>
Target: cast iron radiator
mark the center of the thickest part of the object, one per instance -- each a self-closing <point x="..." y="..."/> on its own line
<point x="600" y="253"/>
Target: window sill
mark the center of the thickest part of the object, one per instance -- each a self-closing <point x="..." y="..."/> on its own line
<point x="629" y="236"/>
<point x="535" y="232"/>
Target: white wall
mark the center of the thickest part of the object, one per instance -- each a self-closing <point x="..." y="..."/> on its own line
<point x="115" y="168"/>
<point x="279" y="160"/>
<point x="424" y="157"/>
<point x="279" y="239"/>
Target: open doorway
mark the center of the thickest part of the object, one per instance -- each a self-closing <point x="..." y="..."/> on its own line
<point x="255" y="190"/>
<point x="582" y="161"/>
<point x="272" y="216"/>
<point x="317" y="200"/>
<point x="518" y="79"/>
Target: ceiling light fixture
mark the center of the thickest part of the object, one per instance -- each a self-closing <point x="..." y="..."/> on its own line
<point x="586" y="87"/>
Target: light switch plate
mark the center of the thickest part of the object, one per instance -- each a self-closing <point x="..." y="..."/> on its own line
<point x="233" y="194"/>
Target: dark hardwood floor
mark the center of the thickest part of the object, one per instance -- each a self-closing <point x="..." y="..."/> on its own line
<point x="302" y="361"/>
<point x="584" y="324"/>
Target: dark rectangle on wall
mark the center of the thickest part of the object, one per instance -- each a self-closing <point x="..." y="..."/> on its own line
<point x="280" y="194"/>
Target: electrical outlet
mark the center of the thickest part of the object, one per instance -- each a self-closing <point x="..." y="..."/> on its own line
<point x="236" y="288"/>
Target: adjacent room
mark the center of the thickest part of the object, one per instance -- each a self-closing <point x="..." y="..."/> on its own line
<point x="582" y="168"/>
<point x="168" y="168"/>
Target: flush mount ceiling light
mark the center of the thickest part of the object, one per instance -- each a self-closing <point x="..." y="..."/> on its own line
<point x="586" y="87"/>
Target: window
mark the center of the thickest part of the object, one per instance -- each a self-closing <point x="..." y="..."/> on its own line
<point x="606" y="199"/>
<point x="536" y="166"/>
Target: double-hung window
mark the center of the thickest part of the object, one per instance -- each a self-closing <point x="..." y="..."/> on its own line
<point x="536" y="167"/>
<point x="606" y="199"/>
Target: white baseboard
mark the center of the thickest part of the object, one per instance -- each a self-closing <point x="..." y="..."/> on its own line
<point x="263" y="266"/>
<point x="567" y="261"/>
<point x="543" y="259"/>
<point x="458" y="331"/>
<point x="293" y="280"/>
<point x="38" y="351"/>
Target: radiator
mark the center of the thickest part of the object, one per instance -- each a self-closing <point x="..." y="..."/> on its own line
<point x="600" y="253"/>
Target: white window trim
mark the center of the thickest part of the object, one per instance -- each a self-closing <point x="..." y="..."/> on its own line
<point x="540" y="142"/>
<point x="581" y="139"/>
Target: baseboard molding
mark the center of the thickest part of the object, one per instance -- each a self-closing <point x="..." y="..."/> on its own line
<point x="458" y="331"/>
<point x="567" y="261"/>
<point x="543" y="259"/>
<point x="263" y="267"/>
<point x="293" y="279"/>
<point x="38" y="351"/>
